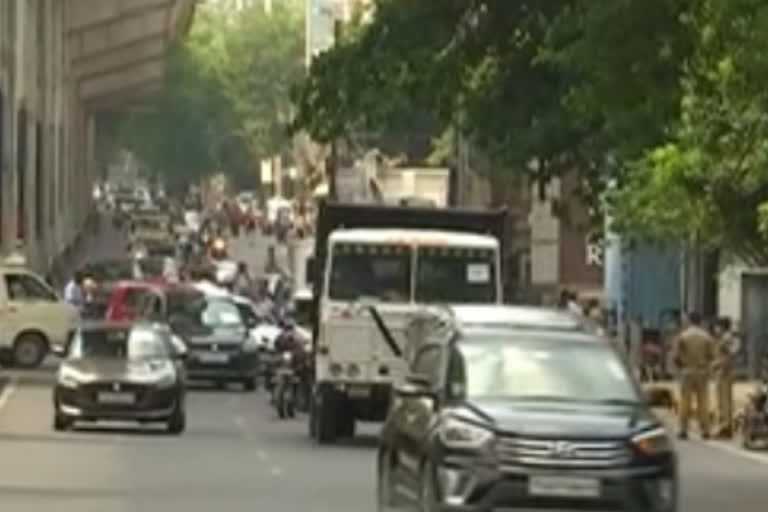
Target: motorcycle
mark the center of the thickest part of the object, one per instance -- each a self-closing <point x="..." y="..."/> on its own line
<point x="286" y="387"/>
<point x="754" y="418"/>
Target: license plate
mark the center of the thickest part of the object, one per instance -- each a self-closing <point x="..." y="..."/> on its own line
<point x="213" y="357"/>
<point x="566" y="487"/>
<point x="116" y="398"/>
<point x="358" y="391"/>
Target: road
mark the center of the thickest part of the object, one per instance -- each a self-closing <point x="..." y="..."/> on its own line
<point x="236" y="457"/>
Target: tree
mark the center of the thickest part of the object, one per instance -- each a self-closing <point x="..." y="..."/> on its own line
<point x="563" y="82"/>
<point x="225" y="98"/>
<point x="709" y="178"/>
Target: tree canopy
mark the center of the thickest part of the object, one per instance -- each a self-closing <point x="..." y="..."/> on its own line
<point x="226" y="100"/>
<point x="657" y="104"/>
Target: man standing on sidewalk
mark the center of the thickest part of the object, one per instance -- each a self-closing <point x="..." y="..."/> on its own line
<point x="727" y="346"/>
<point x="694" y="353"/>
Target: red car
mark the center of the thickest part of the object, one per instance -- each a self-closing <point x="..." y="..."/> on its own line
<point x="124" y="299"/>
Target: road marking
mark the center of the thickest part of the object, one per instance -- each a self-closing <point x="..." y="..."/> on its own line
<point x="728" y="447"/>
<point x="7" y="393"/>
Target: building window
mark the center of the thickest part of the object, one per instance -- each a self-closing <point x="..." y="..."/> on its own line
<point x="21" y="171"/>
<point x="39" y="185"/>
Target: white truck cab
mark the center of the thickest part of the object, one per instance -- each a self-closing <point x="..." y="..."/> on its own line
<point x="373" y="280"/>
<point x="33" y="318"/>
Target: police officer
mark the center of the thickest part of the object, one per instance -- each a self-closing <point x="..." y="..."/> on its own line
<point x="694" y="353"/>
<point x="727" y="346"/>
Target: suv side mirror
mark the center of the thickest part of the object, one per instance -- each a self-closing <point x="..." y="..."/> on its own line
<point x="416" y="386"/>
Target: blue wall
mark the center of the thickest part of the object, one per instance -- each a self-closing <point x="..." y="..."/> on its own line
<point x="642" y="281"/>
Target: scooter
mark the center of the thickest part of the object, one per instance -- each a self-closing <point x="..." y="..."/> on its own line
<point x="286" y="386"/>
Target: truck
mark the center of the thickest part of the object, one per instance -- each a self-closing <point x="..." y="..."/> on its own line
<point x="373" y="267"/>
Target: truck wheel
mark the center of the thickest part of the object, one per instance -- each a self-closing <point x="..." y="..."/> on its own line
<point x="325" y="416"/>
<point x="29" y="350"/>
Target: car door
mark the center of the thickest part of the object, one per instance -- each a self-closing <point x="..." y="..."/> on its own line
<point x="35" y="305"/>
<point x="416" y="412"/>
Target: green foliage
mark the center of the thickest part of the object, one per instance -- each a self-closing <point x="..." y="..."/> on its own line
<point x="710" y="178"/>
<point x="659" y="105"/>
<point x="226" y="98"/>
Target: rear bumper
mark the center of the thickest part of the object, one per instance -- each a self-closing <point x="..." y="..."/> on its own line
<point x="239" y="365"/>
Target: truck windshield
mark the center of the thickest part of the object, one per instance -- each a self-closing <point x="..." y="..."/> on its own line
<point x="455" y="275"/>
<point x="367" y="270"/>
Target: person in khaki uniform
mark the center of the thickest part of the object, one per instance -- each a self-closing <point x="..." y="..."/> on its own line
<point x="727" y="346"/>
<point x="694" y="353"/>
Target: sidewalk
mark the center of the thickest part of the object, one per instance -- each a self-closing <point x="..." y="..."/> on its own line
<point x="741" y="392"/>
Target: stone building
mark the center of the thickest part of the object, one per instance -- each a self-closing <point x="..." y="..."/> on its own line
<point x="61" y="63"/>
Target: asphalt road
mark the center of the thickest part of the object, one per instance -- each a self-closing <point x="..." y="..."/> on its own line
<point x="236" y="457"/>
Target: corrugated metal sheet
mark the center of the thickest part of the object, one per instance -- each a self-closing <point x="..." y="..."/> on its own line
<point x="650" y="283"/>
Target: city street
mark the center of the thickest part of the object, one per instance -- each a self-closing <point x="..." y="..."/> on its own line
<point x="236" y="456"/>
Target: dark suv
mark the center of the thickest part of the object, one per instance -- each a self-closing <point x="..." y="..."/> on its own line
<point x="523" y="419"/>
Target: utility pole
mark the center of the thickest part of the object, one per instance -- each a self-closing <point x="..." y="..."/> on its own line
<point x="333" y="166"/>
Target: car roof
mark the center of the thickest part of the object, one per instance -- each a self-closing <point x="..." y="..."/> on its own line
<point x="428" y="237"/>
<point x="104" y="325"/>
<point x="519" y="317"/>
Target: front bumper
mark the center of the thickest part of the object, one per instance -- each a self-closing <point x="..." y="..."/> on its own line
<point x="149" y="403"/>
<point x="485" y="488"/>
<point x="230" y="366"/>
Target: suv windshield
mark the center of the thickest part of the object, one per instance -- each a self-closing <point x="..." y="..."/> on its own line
<point x="118" y="344"/>
<point x="535" y="367"/>
<point x="455" y="275"/>
<point x="365" y="270"/>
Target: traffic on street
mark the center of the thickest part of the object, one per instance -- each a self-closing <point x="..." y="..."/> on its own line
<point x="383" y="256"/>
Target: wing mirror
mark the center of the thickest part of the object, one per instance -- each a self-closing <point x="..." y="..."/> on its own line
<point x="416" y="385"/>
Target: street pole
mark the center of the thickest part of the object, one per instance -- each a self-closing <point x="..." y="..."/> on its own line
<point x="334" y="158"/>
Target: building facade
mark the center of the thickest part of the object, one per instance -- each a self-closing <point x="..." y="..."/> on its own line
<point x="61" y="62"/>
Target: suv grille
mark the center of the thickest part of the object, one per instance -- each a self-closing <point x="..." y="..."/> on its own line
<point x="561" y="452"/>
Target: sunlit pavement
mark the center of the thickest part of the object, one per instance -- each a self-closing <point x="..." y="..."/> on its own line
<point x="235" y="456"/>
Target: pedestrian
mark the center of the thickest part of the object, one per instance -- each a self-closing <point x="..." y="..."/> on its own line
<point x="73" y="291"/>
<point x="726" y="349"/>
<point x="693" y="354"/>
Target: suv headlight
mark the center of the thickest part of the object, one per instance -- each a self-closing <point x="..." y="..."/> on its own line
<point x="653" y="442"/>
<point x="71" y="378"/>
<point x="462" y="435"/>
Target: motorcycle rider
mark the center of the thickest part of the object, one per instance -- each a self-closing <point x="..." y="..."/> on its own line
<point x="290" y="341"/>
<point x="243" y="282"/>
